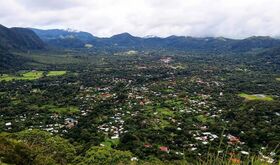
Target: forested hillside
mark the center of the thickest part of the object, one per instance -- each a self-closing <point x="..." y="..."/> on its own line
<point x="19" y="38"/>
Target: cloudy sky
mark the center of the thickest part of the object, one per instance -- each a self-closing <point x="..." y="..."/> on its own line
<point x="228" y="18"/>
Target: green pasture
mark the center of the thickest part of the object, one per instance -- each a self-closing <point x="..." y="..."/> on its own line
<point x="260" y="97"/>
<point x="56" y="73"/>
<point x="31" y="75"/>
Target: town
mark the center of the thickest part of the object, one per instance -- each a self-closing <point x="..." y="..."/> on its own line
<point x="164" y="106"/>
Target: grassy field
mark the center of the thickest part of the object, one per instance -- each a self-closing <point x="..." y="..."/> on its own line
<point x="51" y="108"/>
<point x="6" y="77"/>
<point x="32" y="75"/>
<point x="201" y="118"/>
<point x="61" y="110"/>
<point x="165" y="112"/>
<point x="56" y="73"/>
<point x="278" y="79"/>
<point x="174" y="103"/>
<point x="260" y="97"/>
<point x="111" y="142"/>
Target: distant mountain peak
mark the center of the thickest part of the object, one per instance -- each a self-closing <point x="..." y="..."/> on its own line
<point x="70" y="38"/>
<point x="151" y="36"/>
<point x="72" y="30"/>
<point x="125" y="34"/>
<point x="259" y="37"/>
<point x="175" y="36"/>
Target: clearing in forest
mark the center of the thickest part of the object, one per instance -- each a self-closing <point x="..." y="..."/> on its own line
<point x="31" y="75"/>
<point x="56" y="73"/>
<point x="261" y="97"/>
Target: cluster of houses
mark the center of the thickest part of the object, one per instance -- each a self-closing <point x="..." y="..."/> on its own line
<point x="115" y="127"/>
<point x="196" y="104"/>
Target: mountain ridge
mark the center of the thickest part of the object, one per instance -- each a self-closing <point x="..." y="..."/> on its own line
<point x="31" y="38"/>
<point x="19" y="38"/>
<point x="73" y="39"/>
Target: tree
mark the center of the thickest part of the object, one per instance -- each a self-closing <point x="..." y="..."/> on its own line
<point x="105" y="155"/>
<point x="15" y="152"/>
<point x="39" y="147"/>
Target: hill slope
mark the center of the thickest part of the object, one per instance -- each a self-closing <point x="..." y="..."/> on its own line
<point x="64" y="38"/>
<point x="19" y="38"/>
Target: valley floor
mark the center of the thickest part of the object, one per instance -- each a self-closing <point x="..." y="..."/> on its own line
<point x="145" y="107"/>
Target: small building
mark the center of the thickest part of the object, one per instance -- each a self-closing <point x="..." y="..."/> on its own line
<point x="8" y="124"/>
<point x="164" y="149"/>
<point x="70" y="122"/>
<point x="232" y="139"/>
<point x="147" y="145"/>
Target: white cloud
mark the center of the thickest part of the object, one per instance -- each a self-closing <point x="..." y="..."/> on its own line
<point x="236" y="19"/>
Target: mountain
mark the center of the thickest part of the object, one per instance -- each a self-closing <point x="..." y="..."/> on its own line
<point x="255" y="42"/>
<point x="193" y="43"/>
<point x="16" y="39"/>
<point x="266" y="59"/>
<point x="125" y="40"/>
<point x="51" y="34"/>
<point x="217" y="44"/>
<point x="65" y="38"/>
<point x="270" y="56"/>
<point x="9" y="61"/>
<point x="19" y="38"/>
<point x="77" y="39"/>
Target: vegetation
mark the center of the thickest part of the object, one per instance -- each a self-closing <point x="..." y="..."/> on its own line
<point x="56" y="109"/>
<point x="56" y="73"/>
<point x="256" y="97"/>
<point x="35" y="147"/>
<point x="106" y="155"/>
<point x="31" y="75"/>
<point x="127" y="104"/>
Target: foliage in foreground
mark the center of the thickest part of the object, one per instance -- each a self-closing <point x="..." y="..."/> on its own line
<point x="35" y="147"/>
<point x="40" y="148"/>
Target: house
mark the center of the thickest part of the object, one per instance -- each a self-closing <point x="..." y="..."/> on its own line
<point x="166" y="60"/>
<point x="232" y="139"/>
<point x="134" y="159"/>
<point x="164" y="148"/>
<point x="8" y="124"/>
<point x="244" y="152"/>
<point x="147" y="145"/>
<point x="106" y="95"/>
<point x="115" y="136"/>
<point x="193" y="148"/>
<point x="70" y="122"/>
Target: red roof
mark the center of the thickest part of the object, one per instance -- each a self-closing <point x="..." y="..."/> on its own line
<point x="233" y="139"/>
<point x="164" y="148"/>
